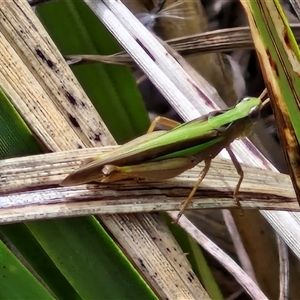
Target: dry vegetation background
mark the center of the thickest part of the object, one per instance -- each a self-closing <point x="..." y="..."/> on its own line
<point x="226" y="58"/>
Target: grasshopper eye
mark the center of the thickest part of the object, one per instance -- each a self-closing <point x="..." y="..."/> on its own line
<point x="254" y="113"/>
<point x="247" y="99"/>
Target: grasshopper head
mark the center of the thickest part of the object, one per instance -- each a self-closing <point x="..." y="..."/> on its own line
<point x="250" y="107"/>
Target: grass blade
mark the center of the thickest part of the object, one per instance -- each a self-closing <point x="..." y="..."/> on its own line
<point x="279" y="59"/>
<point x="16" y="281"/>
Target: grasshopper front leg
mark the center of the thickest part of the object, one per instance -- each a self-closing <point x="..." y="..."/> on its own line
<point x="166" y="122"/>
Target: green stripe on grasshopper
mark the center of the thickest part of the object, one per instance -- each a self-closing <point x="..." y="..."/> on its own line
<point x="176" y="150"/>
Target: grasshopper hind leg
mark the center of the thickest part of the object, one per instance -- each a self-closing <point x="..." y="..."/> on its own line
<point x="240" y="171"/>
<point x="192" y="193"/>
<point x="203" y="173"/>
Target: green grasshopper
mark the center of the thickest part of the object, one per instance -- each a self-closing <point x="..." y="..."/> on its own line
<point x="165" y="154"/>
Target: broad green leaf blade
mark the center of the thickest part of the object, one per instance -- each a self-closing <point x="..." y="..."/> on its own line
<point x="91" y="262"/>
<point x="16" y="282"/>
<point x="21" y="237"/>
<point x="279" y="58"/>
<point x="112" y="89"/>
<point x="12" y="145"/>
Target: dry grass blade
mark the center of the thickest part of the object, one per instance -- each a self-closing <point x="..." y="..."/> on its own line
<point x="29" y="189"/>
<point x="296" y="7"/>
<point x="28" y="57"/>
<point x="246" y="282"/>
<point x="284" y="269"/>
<point x="49" y="98"/>
<point x="238" y="244"/>
<point x="222" y="40"/>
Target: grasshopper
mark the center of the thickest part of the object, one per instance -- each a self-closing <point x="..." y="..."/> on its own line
<point x="165" y="154"/>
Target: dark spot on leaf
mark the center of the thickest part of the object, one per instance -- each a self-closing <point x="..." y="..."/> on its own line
<point x="26" y="16"/>
<point x="272" y="63"/>
<point x="142" y="263"/>
<point x="145" y="49"/>
<point x="82" y="103"/>
<point x="36" y="2"/>
<point x="286" y="38"/>
<point x="122" y="217"/>
<point x="74" y="121"/>
<point x="79" y="146"/>
<point x="201" y="94"/>
<point x="71" y="99"/>
<point x="97" y="137"/>
<point x="192" y="276"/>
<point x="43" y="57"/>
<point x="168" y="249"/>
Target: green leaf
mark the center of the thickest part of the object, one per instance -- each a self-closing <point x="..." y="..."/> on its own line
<point x="283" y="53"/>
<point x="279" y="59"/>
<point x="21" y="237"/>
<point x="16" y="282"/>
<point x="86" y="255"/>
<point x="10" y="123"/>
